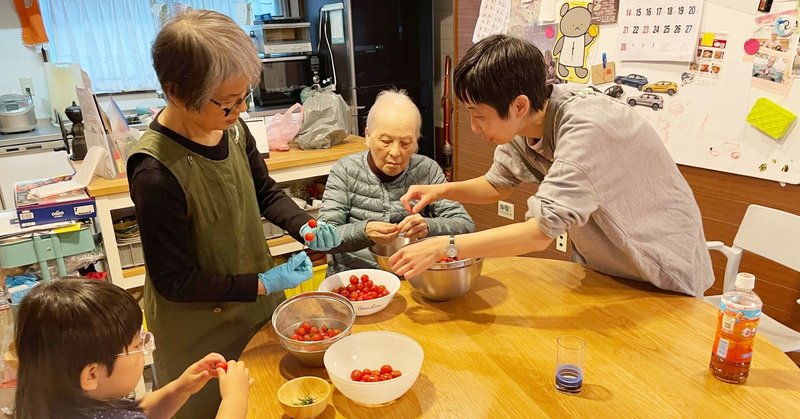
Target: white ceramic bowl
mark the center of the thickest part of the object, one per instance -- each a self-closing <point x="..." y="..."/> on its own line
<point x="372" y="350"/>
<point x="379" y="277"/>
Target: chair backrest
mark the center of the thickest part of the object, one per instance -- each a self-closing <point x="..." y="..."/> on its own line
<point x="771" y="233"/>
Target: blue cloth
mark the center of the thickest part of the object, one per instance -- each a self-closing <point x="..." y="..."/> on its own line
<point x="13" y="281"/>
<point x="19" y="286"/>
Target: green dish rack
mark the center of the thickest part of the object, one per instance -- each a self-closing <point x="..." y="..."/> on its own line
<point x="44" y="247"/>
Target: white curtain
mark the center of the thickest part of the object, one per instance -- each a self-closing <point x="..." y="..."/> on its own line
<point x="111" y="39"/>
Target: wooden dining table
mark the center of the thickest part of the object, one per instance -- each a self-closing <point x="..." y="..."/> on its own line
<point x="492" y="352"/>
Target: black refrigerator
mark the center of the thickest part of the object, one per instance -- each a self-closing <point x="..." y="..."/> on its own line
<point x="377" y="45"/>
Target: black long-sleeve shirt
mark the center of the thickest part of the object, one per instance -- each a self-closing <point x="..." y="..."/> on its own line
<point x="165" y="224"/>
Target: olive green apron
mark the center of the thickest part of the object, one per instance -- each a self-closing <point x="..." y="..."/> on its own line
<point x="228" y="236"/>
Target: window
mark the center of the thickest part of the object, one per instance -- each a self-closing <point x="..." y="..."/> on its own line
<point x="111" y="39"/>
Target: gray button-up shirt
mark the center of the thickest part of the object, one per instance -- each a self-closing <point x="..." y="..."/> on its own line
<point x="610" y="182"/>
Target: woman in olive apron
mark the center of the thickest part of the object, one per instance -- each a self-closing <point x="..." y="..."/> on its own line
<point x="200" y="188"/>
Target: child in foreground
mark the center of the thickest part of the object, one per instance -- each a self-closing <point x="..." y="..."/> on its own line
<point x="81" y="350"/>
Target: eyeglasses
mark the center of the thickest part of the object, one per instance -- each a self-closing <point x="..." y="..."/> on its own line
<point x="148" y="344"/>
<point x="235" y="105"/>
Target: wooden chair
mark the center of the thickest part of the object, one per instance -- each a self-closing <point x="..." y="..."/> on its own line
<point x="772" y="234"/>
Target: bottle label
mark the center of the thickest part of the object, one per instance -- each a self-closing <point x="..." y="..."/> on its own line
<point x="722" y="348"/>
<point x="728" y="323"/>
<point x="736" y="328"/>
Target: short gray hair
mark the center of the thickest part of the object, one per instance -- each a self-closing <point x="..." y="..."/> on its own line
<point x="197" y="51"/>
<point x="393" y="100"/>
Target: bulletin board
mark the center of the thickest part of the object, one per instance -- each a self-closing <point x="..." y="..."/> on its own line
<point x="703" y="124"/>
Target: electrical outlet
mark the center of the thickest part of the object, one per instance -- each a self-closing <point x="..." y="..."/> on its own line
<point x="505" y="209"/>
<point x="561" y="243"/>
<point x="26" y="84"/>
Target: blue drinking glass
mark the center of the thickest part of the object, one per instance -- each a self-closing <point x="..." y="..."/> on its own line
<point x="569" y="363"/>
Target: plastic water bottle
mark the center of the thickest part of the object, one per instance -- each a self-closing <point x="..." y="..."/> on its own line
<point x="737" y="322"/>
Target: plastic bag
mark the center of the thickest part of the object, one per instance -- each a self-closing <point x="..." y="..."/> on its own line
<point x="326" y="120"/>
<point x="282" y="129"/>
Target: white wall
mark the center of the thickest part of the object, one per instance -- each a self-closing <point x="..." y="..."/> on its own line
<point x="17" y="60"/>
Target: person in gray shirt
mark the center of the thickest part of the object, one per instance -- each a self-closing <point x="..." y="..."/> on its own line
<point x="604" y="176"/>
<point x="362" y="195"/>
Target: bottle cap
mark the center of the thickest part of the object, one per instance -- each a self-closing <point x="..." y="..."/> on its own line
<point x="745" y="281"/>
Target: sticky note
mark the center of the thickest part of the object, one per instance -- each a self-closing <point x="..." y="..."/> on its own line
<point x="707" y="39"/>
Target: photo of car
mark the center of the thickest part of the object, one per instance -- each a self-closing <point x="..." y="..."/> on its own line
<point x="648" y="99"/>
<point x="614" y="91"/>
<point x="667" y="87"/>
<point x="633" y="80"/>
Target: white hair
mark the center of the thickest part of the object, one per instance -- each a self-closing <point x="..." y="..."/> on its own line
<point x="398" y="102"/>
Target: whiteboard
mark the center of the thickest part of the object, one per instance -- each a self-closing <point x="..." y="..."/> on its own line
<point x="703" y="125"/>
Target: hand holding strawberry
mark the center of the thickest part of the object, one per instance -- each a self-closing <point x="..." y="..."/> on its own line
<point x="320" y="235"/>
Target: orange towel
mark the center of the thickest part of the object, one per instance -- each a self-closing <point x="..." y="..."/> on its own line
<point x="30" y="20"/>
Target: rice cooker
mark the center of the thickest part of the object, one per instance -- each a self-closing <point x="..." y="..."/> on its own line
<point x="16" y="114"/>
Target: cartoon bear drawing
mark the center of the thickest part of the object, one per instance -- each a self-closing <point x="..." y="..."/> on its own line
<point x="571" y="47"/>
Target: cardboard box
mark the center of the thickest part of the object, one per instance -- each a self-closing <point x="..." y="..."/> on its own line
<point x="72" y="205"/>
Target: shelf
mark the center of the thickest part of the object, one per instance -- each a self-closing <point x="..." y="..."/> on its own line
<point x="285" y="25"/>
<point x="285" y="239"/>
<point x="131" y="272"/>
<point x="283" y="245"/>
<point x="286" y="58"/>
<point x="280" y="245"/>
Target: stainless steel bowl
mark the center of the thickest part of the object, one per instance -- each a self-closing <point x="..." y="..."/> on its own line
<point x="447" y="280"/>
<point x="318" y="308"/>
<point x="382" y="252"/>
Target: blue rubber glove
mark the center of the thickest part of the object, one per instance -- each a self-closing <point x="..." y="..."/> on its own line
<point x="325" y="236"/>
<point x="295" y="271"/>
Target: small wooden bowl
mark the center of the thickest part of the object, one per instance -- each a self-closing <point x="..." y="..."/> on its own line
<point x="293" y="391"/>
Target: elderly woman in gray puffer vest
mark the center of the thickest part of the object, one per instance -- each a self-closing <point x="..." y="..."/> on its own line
<point x="362" y="194"/>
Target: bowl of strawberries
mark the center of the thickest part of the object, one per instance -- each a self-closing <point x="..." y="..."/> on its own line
<point x="369" y="290"/>
<point x="309" y="323"/>
<point x="374" y="368"/>
<point x="448" y="278"/>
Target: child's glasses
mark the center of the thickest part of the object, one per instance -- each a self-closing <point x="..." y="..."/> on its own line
<point x="148" y="344"/>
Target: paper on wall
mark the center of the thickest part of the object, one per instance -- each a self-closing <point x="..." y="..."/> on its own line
<point x="547" y="10"/>
<point x="492" y="19"/>
<point x="747" y="6"/>
<point x="708" y="65"/>
<point x="605" y="11"/>
<point x="773" y="64"/>
<point x="659" y="31"/>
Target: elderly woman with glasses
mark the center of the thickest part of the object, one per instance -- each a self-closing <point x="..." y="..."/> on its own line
<point x="201" y="187"/>
<point x="362" y="195"/>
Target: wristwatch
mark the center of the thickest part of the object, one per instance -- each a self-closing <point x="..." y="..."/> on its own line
<point x="451" y="250"/>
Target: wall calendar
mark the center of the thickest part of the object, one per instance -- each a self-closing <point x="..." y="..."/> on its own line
<point x="658" y="31"/>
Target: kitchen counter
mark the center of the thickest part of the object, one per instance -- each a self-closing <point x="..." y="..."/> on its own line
<point x="492" y="352"/>
<point x="284" y="166"/>
<point x="278" y="161"/>
<point x="44" y="136"/>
